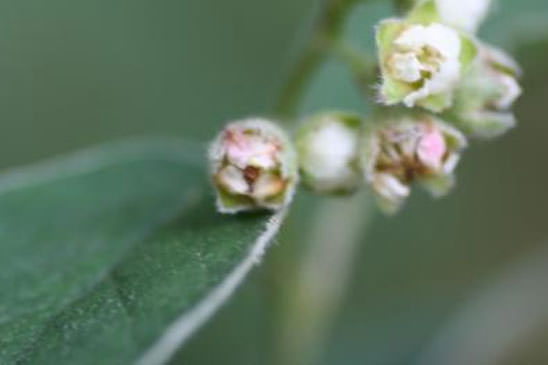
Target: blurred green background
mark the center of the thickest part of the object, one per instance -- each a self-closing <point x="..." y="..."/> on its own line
<point x="459" y="276"/>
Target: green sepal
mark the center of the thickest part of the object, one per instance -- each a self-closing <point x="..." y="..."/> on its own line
<point x="486" y="124"/>
<point x="387" y="32"/>
<point x="437" y="103"/>
<point x="438" y="185"/>
<point x="393" y="91"/>
<point x="425" y="12"/>
<point x="233" y="203"/>
<point x="468" y="53"/>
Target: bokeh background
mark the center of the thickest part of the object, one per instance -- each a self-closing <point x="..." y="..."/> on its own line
<point x="463" y="280"/>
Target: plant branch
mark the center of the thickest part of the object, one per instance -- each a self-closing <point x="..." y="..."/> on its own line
<point x="328" y="26"/>
<point x="320" y="273"/>
<point x="364" y="68"/>
<point x="403" y="6"/>
<point x="320" y="283"/>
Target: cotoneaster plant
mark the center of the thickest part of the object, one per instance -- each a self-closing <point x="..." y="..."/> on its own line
<point x="431" y="88"/>
<point x="119" y="254"/>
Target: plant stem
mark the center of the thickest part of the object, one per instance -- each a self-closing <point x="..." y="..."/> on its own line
<point x="320" y="282"/>
<point x="320" y="268"/>
<point x="403" y="6"/>
<point x="363" y="67"/>
<point x="328" y="26"/>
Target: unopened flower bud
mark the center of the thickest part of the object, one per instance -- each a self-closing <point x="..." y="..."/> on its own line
<point x="327" y="146"/>
<point x="412" y="149"/>
<point x="484" y="99"/>
<point x="422" y="60"/>
<point x="253" y="166"/>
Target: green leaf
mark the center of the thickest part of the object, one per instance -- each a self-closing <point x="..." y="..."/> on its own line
<point x="116" y="255"/>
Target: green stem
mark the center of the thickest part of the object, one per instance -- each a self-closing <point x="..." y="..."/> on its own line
<point x="403" y="6"/>
<point x="328" y="26"/>
<point x="320" y="268"/>
<point x="321" y="280"/>
<point x="363" y="67"/>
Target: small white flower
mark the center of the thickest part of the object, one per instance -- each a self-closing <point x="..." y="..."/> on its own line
<point x="398" y="153"/>
<point x="421" y="64"/>
<point x="253" y="165"/>
<point x="328" y="152"/>
<point x="435" y="51"/>
<point x="463" y="14"/>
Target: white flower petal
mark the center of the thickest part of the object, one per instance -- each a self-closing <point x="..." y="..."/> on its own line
<point x="512" y="92"/>
<point x="266" y="186"/>
<point x="443" y="64"/>
<point x="390" y="188"/>
<point x="438" y="36"/>
<point x="451" y="163"/>
<point x="232" y="179"/>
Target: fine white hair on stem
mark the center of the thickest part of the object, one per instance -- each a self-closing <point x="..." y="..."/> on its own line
<point x="184" y="326"/>
<point x="512" y="308"/>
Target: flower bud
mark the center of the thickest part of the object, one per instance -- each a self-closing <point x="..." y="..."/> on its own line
<point x="327" y="146"/>
<point x="253" y="166"/>
<point x="422" y="60"/>
<point x="484" y="99"/>
<point x="397" y="153"/>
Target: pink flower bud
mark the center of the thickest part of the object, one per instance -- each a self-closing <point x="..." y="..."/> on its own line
<point x="253" y="166"/>
<point x="403" y="151"/>
<point x="244" y="150"/>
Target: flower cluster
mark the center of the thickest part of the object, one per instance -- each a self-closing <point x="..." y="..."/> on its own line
<point x="433" y="60"/>
<point x="450" y="85"/>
